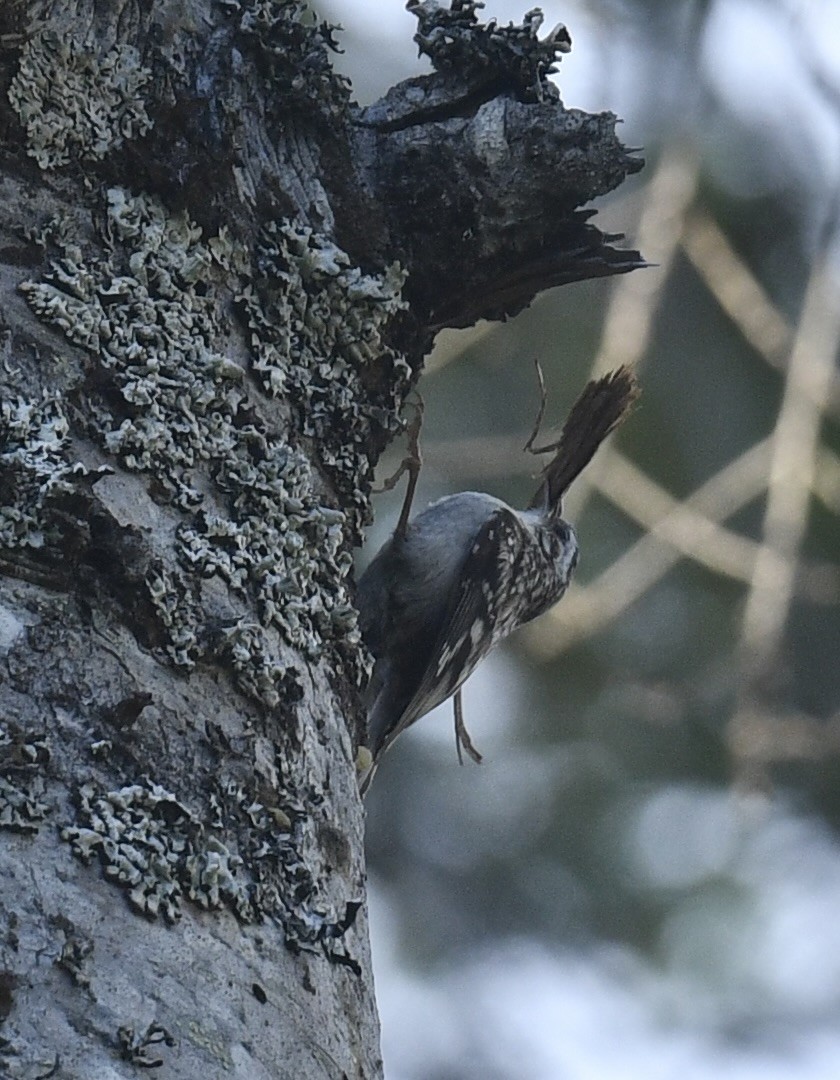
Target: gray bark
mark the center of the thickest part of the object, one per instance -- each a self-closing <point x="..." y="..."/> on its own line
<point x="218" y="281"/>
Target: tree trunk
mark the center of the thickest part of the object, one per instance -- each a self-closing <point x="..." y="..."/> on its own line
<point x="219" y="278"/>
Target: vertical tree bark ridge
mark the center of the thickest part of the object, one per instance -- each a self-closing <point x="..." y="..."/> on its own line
<point x="217" y="288"/>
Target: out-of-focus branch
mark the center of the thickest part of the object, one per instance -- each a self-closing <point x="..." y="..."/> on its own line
<point x="636" y="298"/>
<point x="585" y="610"/>
<point x="827" y="479"/>
<point x="795" y="456"/>
<point x="795" y="444"/>
<point x="734" y="286"/>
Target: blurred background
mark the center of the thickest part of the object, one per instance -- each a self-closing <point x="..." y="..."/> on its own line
<point x="642" y="881"/>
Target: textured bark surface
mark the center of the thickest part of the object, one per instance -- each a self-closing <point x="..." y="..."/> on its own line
<point x="218" y="279"/>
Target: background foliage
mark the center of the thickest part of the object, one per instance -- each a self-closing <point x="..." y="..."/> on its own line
<point x="643" y="878"/>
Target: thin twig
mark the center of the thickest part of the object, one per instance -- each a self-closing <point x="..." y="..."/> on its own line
<point x="528" y="448"/>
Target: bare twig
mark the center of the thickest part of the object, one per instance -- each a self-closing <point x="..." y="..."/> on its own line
<point x="528" y="448"/>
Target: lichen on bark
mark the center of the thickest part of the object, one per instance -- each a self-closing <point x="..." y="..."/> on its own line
<point x="78" y="101"/>
<point x="174" y="404"/>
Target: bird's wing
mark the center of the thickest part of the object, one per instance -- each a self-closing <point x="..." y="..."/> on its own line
<point x="471" y="623"/>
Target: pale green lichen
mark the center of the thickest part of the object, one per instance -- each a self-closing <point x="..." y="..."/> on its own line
<point x="259" y="672"/>
<point x="293" y="49"/>
<point x="162" y="854"/>
<point x="22" y="750"/>
<point x="177" y="612"/>
<point x="22" y="808"/>
<point x="75" y="953"/>
<point x="143" y="1048"/>
<point x="34" y="468"/>
<point x="319" y="323"/>
<point x="78" y="102"/>
<point x="154" y="847"/>
<point x="150" y="314"/>
<point x="22" y="757"/>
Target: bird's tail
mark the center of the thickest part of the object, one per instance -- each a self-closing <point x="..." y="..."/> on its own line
<point x="599" y="410"/>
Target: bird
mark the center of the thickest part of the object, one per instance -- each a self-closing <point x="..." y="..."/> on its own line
<point x="467" y="571"/>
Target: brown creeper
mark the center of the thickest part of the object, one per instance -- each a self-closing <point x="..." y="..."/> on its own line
<point x="468" y="570"/>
